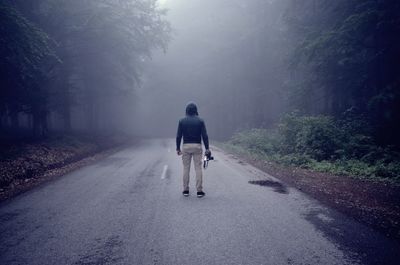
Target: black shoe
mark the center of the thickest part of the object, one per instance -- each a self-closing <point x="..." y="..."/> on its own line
<point x="200" y="194"/>
<point x="185" y="193"/>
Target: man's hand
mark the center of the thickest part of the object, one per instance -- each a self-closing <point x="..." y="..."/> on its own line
<point x="208" y="152"/>
<point x="178" y="152"/>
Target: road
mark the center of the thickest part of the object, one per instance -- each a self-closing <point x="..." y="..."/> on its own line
<point x="128" y="209"/>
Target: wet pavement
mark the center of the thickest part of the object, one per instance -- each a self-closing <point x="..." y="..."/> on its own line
<point x="128" y="209"/>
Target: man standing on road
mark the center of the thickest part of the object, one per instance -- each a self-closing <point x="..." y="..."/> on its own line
<point x="192" y="129"/>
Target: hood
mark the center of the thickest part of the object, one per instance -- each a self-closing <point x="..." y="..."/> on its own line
<point x="191" y="109"/>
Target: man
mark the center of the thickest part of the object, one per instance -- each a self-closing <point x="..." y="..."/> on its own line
<point x="192" y="129"/>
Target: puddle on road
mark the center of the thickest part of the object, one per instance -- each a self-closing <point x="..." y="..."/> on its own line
<point x="277" y="186"/>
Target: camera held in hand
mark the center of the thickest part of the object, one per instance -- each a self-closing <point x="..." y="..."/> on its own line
<point x="207" y="157"/>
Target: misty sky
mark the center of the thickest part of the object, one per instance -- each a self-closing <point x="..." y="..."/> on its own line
<point x="203" y="31"/>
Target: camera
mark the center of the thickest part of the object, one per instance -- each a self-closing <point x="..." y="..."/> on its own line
<point x="207" y="157"/>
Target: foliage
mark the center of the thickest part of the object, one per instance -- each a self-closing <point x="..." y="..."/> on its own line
<point x="101" y="45"/>
<point x="256" y="140"/>
<point x="26" y="51"/>
<point x="23" y="46"/>
<point x="321" y="143"/>
<point x="311" y="136"/>
<point x="344" y="58"/>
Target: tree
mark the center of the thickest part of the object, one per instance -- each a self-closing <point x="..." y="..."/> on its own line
<point x="347" y="59"/>
<point x="105" y="44"/>
<point x="25" y="51"/>
<point x="101" y="46"/>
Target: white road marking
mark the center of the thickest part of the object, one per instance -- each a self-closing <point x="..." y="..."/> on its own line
<point x="164" y="173"/>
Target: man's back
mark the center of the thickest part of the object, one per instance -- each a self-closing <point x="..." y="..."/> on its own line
<point x="193" y="129"/>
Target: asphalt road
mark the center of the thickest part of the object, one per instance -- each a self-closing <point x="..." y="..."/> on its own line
<point x="128" y="209"/>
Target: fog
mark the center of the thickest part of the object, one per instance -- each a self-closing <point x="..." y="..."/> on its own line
<point x="131" y="66"/>
<point x="91" y="95"/>
<point x="213" y="60"/>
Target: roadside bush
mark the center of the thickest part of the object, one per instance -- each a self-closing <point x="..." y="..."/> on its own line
<point x="323" y="144"/>
<point x="388" y="170"/>
<point x="317" y="137"/>
<point x="288" y="130"/>
<point x="257" y="140"/>
<point x="324" y="138"/>
<point x="293" y="159"/>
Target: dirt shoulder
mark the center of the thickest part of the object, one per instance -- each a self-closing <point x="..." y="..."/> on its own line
<point x="25" y="165"/>
<point x="376" y="204"/>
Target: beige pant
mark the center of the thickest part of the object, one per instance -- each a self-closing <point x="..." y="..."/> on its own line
<point x="195" y="151"/>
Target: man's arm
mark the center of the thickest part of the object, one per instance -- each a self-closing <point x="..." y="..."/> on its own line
<point x="204" y="135"/>
<point x="179" y="138"/>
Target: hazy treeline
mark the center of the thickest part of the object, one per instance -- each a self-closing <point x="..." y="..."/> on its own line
<point x="346" y="60"/>
<point x="85" y="64"/>
<point x="247" y="63"/>
<point x="229" y="57"/>
<point x="73" y="65"/>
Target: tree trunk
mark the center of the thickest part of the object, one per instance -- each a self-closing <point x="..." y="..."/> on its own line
<point x="35" y="124"/>
<point x="91" y="113"/>
<point x="66" y="109"/>
<point x="40" y="126"/>
<point x="2" y="123"/>
<point x="66" y="101"/>
<point x="14" y="121"/>
<point x="44" y="126"/>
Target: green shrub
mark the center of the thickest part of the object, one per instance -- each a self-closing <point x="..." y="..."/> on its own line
<point x="288" y="131"/>
<point x="388" y="170"/>
<point x="323" y="144"/>
<point x="258" y="140"/>
<point x="315" y="136"/>
<point x="294" y="159"/>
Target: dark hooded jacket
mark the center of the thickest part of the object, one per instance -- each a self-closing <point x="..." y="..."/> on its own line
<point x="191" y="128"/>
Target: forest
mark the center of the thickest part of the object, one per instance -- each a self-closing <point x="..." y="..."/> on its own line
<point x="289" y="155"/>
<point x="342" y="89"/>
<point x="73" y="65"/>
<point x="312" y="83"/>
